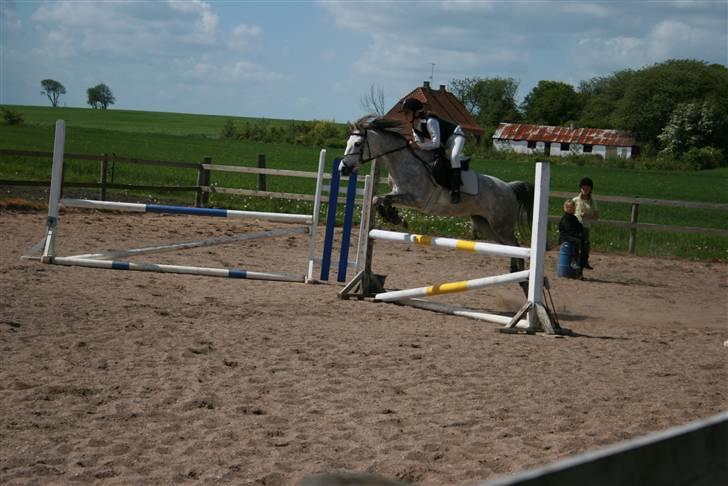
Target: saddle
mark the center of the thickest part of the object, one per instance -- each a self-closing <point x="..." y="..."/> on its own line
<point x="441" y="169"/>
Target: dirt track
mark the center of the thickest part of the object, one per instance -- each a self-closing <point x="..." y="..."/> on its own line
<point x="129" y="378"/>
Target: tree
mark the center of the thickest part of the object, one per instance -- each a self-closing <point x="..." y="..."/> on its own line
<point x="374" y="101"/>
<point x="100" y="97"/>
<point x="489" y="100"/>
<point x="599" y="98"/>
<point x="551" y="103"/>
<point x="652" y="95"/>
<point x="53" y="90"/>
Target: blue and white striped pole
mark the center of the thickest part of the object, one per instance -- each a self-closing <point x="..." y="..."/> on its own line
<point x="181" y="269"/>
<point x="156" y="208"/>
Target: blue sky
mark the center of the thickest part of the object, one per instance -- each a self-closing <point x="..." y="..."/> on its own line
<point x="311" y="60"/>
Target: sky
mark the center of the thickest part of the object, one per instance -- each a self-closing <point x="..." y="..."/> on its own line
<point x="317" y="60"/>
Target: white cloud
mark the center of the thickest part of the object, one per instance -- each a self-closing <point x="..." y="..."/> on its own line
<point x="130" y="28"/>
<point x="205" y="19"/>
<point x="243" y="37"/>
<point x="597" y="54"/>
<point x="468" y="6"/>
<point x="590" y="9"/>
<point x="231" y="72"/>
<point x="304" y="102"/>
<point x="57" y="45"/>
<point x="9" y="20"/>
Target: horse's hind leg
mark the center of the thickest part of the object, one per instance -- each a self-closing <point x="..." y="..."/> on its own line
<point x="481" y="229"/>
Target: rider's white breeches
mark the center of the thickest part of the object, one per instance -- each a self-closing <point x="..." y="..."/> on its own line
<point x="455" y="145"/>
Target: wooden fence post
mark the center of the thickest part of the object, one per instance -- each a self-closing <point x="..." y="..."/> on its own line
<point x="261" y="177"/>
<point x="633" y="229"/>
<point x="203" y="179"/>
<point x="103" y="169"/>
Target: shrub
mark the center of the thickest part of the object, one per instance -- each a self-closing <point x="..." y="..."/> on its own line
<point x="228" y="130"/>
<point x="703" y="158"/>
<point x="11" y="117"/>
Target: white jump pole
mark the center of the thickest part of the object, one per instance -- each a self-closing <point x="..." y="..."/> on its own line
<point x="440" y="242"/>
<point x="452" y="287"/>
<point x="49" y="248"/>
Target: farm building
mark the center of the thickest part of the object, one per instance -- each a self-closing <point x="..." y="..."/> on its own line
<point x="441" y="103"/>
<point x="563" y="141"/>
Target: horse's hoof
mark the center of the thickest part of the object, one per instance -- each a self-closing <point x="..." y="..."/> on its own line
<point x="389" y="214"/>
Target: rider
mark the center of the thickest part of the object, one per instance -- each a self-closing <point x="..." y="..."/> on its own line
<point x="432" y="132"/>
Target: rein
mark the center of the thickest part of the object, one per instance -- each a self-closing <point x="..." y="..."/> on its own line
<point x="372" y="157"/>
<point x="424" y="163"/>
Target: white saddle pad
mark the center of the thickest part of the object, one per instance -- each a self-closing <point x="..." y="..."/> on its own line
<point x="470" y="182"/>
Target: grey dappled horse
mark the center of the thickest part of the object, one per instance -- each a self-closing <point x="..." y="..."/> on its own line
<point x="495" y="211"/>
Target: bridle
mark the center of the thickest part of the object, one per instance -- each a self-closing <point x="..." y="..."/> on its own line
<point x="347" y="169"/>
<point x="364" y="136"/>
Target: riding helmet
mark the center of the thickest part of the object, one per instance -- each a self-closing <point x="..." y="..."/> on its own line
<point x="412" y="104"/>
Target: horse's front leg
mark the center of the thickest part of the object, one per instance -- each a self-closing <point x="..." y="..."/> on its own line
<point x="385" y="206"/>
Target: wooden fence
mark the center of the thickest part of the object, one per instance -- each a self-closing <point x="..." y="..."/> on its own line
<point x="203" y="189"/>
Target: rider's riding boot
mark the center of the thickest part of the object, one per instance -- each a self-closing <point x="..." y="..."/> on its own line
<point x="455" y="183"/>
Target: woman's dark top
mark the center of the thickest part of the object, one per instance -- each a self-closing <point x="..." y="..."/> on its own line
<point x="570" y="229"/>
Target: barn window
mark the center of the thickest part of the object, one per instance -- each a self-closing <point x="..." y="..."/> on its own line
<point x="531" y="144"/>
<point x="587" y="149"/>
<point x="564" y="147"/>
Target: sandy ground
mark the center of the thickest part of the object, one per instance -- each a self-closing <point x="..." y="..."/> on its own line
<point x="116" y="377"/>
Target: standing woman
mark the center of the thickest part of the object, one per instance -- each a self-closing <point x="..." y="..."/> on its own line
<point x="431" y="132"/>
<point x="587" y="213"/>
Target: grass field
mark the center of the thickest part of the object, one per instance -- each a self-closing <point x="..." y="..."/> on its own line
<point x="189" y="138"/>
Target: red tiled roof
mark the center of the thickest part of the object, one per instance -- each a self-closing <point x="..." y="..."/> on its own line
<point x="443" y="104"/>
<point x="543" y="133"/>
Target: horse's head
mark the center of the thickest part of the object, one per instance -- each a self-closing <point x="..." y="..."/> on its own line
<point x="385" y="139"/>
<point x="354" y="154"/>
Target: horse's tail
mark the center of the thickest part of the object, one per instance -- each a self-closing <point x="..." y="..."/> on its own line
<point x="524" y="194"/>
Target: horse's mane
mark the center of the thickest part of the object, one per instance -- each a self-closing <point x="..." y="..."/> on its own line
<point x="374" y="122"/>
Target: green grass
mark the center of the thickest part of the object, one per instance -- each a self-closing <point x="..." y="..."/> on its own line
<point x="189" y="138"/>
<point x="136" y="121"/>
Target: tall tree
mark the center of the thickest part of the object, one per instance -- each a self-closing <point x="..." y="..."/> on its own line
<point x="100" y="97"/>
<point x="489" y="100"/>
<point x="551" y="103"/>
<point x="53" y="90"/>
<point x="653" y="94"/>
<point x="599" y="98"/>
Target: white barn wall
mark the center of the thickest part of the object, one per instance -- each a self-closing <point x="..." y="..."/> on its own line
<point x="521" y="147"/>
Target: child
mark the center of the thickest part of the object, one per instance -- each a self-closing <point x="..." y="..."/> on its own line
<point x="571" y="230"/>
<point x="586" y="211"/>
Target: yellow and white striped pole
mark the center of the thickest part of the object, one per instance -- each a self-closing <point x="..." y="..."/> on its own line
<point x="452" y="287"/>
<point x="455" y="244"/>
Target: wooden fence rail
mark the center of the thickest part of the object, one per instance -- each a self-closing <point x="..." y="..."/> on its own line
<point x="204" y="188"/>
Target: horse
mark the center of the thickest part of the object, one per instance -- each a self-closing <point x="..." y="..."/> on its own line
<point x="496" y="209"/>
